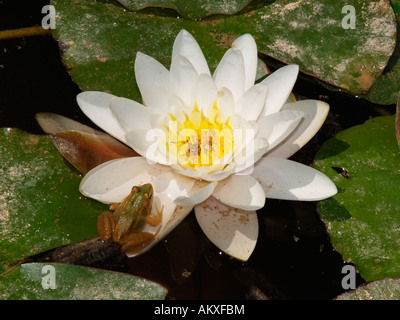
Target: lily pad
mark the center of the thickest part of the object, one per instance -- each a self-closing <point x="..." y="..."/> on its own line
<point x="100" y="40"/>
<point x="386" y="89"/>
<point x="55" y="281"/>
<point x="363" y="219"/>
<point x="40" y="204"/>
<point x="384" y="289"/>
<point x="192" y="9"/>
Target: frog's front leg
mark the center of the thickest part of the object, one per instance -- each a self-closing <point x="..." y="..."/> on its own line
<point x="136" y="242"/>
<point x="155" y="219"/>
<point x="105" y="225"/>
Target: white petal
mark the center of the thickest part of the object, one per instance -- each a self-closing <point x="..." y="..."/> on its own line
<point x="183" y="76"/>
<point x="288" y="180"/>
<point x="96" y="105"/>
<point x="176" y="106"/>
<point x="201" y="191"/>
<point x="248" y="46"/>
<point x="174" y="185"/>
<point x="220" y="175"/>
<point x="240" y="191"/>
<point x="314" y="115"/>
<point x="244" y="135"/>
<point x="131" y="114"/>
<point x="150" y="71"/>
<point x="204" y="92"/>
<point x="278" y="126"/>
<point x="225" y="103"/>
<point x="113" y="180"/>
<point x="280" y="84"/>
<point x="207" y="173"/>
<point x="251" y="104"/>
<point x="155" y="97"/>
<point x="146" y="142"/>
<point x="232" y="230"/>
<point x="251" y="154"/>
<point x="186" y="45"/>
<point x="230" y="73"/>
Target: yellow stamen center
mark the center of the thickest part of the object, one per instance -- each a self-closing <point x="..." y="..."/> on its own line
<point x="199" y="140"/>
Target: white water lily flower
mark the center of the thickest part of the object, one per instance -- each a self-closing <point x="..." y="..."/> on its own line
<point x="217" y="143"/>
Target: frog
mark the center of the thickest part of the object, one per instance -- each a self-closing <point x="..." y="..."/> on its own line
<point x="125" y="221"/>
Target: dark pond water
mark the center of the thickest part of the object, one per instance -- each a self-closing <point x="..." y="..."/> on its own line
<point x="293" y="259"/>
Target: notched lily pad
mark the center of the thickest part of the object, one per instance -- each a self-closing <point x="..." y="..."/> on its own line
<point x="55" y="281"/>
<point x="363" y="219"/>
<point x="192" y="9"/>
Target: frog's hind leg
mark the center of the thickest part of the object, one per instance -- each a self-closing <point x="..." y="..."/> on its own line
<point x="105" y="225"/>
<point x="136" y="242"/>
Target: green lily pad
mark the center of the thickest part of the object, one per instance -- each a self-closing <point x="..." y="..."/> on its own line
<point x="100" y="40"/>
<point x="363" y="218"/>
<point x="192" y="9"/>
<point x="40" y="204"/>
<point x="384" y="289"/>
<point x="55" y="281"/>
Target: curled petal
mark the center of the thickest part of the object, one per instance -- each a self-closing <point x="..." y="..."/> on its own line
<point x="289" y="180"/>
<point x="86" y="151"/>
<point x="232" y="230"/>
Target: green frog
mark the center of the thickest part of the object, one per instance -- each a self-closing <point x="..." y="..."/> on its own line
<point x="125" y="224"/>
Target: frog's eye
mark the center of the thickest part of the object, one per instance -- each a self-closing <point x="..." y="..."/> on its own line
<point x="147" y="196"/>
